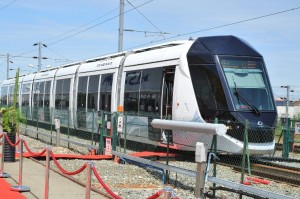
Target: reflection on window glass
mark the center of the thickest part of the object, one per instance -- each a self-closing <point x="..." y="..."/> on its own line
<point x="47" y="94"/>
<point x="142" y="90"/>
<point x="41" y="94"/>
<point x="105" y="92"/>
<point x="132" y="89"/>
<point x="93" y="92"/>
<point x="25" y="94"/>
<point x="150" y="90"/>
<point x="208" y="90"/>
<point x="4" y="96"/>
<point x="81" y="93"/>
<point x="11" y="95"/>
<point x="36" y="91"/>
<point x="247" y="82"/>
<point x="62" y="94"/>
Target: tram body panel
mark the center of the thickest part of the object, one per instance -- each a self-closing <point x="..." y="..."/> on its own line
<point x="195" y="80"/>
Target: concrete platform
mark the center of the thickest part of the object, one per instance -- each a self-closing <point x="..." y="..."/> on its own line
<point x="34" y="177"/>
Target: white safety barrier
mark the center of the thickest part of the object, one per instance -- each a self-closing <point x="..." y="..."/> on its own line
<point x="205" y="128"/>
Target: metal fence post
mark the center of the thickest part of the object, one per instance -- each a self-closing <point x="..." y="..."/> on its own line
<point x="26" y="117"/>
<point x="102" y="129"/>
<point x="20" y="187"/>
<point x="88" y="180"/>
<point x="168" y="151"/>
<point x="200" y="158"/>
<point x="245" y="154"/>
<point x="125" y="131"/>
<point x="93" y="127"/>
<point x="57" y="127"/>
<point x="51" y="125"/>
<point x="37" y="124"/>
<point x="213" y="149"/>
<point x="69" y="126"/>
<point x="286" y="139"/>
<point x="114" y="129"/>
<point x="2" y="174"/>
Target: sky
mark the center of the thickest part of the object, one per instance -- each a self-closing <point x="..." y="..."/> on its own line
<point x="83" y="29"/>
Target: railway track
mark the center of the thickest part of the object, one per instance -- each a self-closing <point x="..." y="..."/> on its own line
<point x="268" y="167"/>
<point x="278" y="173"/>
<point x="295" y="149"/>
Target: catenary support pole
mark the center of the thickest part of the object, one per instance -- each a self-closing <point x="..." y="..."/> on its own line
<point x="121" y="26"/>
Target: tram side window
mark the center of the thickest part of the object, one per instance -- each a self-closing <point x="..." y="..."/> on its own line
<point x="105" y="92"/>
<point x="18" y="98"/>
<point x="4" y="96"/>
<point x="81" y="93"/>
<point x="25" y="94"/>
<point x="93" y="92"/>
<point x="62" y="94"/>
<point x="36" y="91"/>
<point x="47" y="94"/>
<point x="11" y="95"/>
<point x="41" y="94"/>
<point x="208" y="90"/>
<point x="150" y="90"/>
<point x="132" y="91"/>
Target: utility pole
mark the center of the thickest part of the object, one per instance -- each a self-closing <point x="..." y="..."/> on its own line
<point x="40" y="54"/>
<point x="286" y="130"/>
<point x="121" y="26"/>
<point x="7" y="65"/>
<point x="288" y="90"/>
<point x="7" y="73"/>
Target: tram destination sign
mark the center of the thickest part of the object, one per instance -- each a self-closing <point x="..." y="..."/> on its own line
<point x="239" y="64"/>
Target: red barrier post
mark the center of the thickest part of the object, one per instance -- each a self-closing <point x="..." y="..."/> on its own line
<point x="20" y="187"/>
<point x="2" y="174"/>
<point x="47" y="167"/>
<point x="88" y="180"/>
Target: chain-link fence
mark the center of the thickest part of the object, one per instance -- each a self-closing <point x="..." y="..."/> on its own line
<point x="237" y="162"/>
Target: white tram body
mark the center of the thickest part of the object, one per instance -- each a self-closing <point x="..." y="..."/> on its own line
<point x="193" y="80"/>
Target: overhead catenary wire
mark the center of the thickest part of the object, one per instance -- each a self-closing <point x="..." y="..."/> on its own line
<point x="161" y="32"/>
<point x="166" y="38"/>
<point x="114" y="17"/>
<point x="177" y="35"/>
<point x="58" y="54"/>
<point x="7" y="5"/>
<point x="81" y="26"/>
<point x="86" y="29"/>
<point x="216" y="27"/>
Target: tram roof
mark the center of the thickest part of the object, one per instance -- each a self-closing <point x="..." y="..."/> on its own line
<point x="228" y="45"/>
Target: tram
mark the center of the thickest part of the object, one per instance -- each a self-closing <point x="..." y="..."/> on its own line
<point x="199" y="80"/>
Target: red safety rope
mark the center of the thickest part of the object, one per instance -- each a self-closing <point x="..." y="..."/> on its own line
<point x="32" y="153"/>
<point x="12" y="144"/>
<point x="63" y="170"/>
<point x="109" y="191"/>
<point x="156" y="195"/>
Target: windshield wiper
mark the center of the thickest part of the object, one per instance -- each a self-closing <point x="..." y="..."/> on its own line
<point x="243" y="98"/>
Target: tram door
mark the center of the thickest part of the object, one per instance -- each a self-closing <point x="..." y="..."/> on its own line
<point x="105" y="92"/>
<point x="167" y="93"/>
<point x="167" y="98"/>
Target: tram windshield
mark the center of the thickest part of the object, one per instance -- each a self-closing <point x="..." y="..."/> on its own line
<point x="247" y="81"/>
